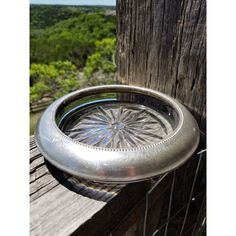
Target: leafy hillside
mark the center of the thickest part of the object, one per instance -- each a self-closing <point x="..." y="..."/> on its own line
<point x="69" y="46"/>
<point x="42" y="16"/>
<point x="72" y="39"/>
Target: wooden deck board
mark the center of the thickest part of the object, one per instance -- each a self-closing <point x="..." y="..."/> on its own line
<point x="54" y="209"/>
<point x="60" y="212"/>
<point x="61" y="204"/>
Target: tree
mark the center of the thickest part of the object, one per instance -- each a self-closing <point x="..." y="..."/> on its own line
<point x="53" y="80"/>
<point x="72" y="39"/>
<point x="101" y="60"/>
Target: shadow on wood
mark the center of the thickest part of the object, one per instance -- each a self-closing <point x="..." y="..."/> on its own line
<point x="93" y="190"/>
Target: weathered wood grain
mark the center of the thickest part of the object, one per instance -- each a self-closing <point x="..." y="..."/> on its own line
<point x="61" y="204"/>
<point x="133" y="224"/>
<point x="162" y="45"/>
<point x="60" y="212"/>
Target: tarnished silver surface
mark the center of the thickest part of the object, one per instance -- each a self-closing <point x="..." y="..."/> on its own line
<point x="122" y="141"/>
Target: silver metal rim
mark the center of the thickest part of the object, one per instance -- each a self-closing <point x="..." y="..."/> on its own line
<point x="116" y="165"/>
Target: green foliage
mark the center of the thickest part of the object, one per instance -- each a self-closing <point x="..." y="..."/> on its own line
<point x="42" y="16"/>
<point x="72" y="39"/>
<point x="70" y="47"/>
<point x="53" y="80"/>
<point x="38" y="90"/>
<point x="102" y="59"/>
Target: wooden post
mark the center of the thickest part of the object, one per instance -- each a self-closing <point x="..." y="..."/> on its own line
<point x="162" y="45"/>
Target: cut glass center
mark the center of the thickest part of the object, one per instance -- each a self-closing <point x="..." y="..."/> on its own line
<point x="117" y="125"/>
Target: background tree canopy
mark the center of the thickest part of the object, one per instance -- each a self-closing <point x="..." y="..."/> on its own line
<point x="69" y="47"/>
<point x="53" y="80"/>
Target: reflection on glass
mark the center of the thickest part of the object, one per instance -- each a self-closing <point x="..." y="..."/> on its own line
<point x="121" y="121"/>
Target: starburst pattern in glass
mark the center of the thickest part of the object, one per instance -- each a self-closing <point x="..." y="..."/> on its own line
<point x="118" y="125"/>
